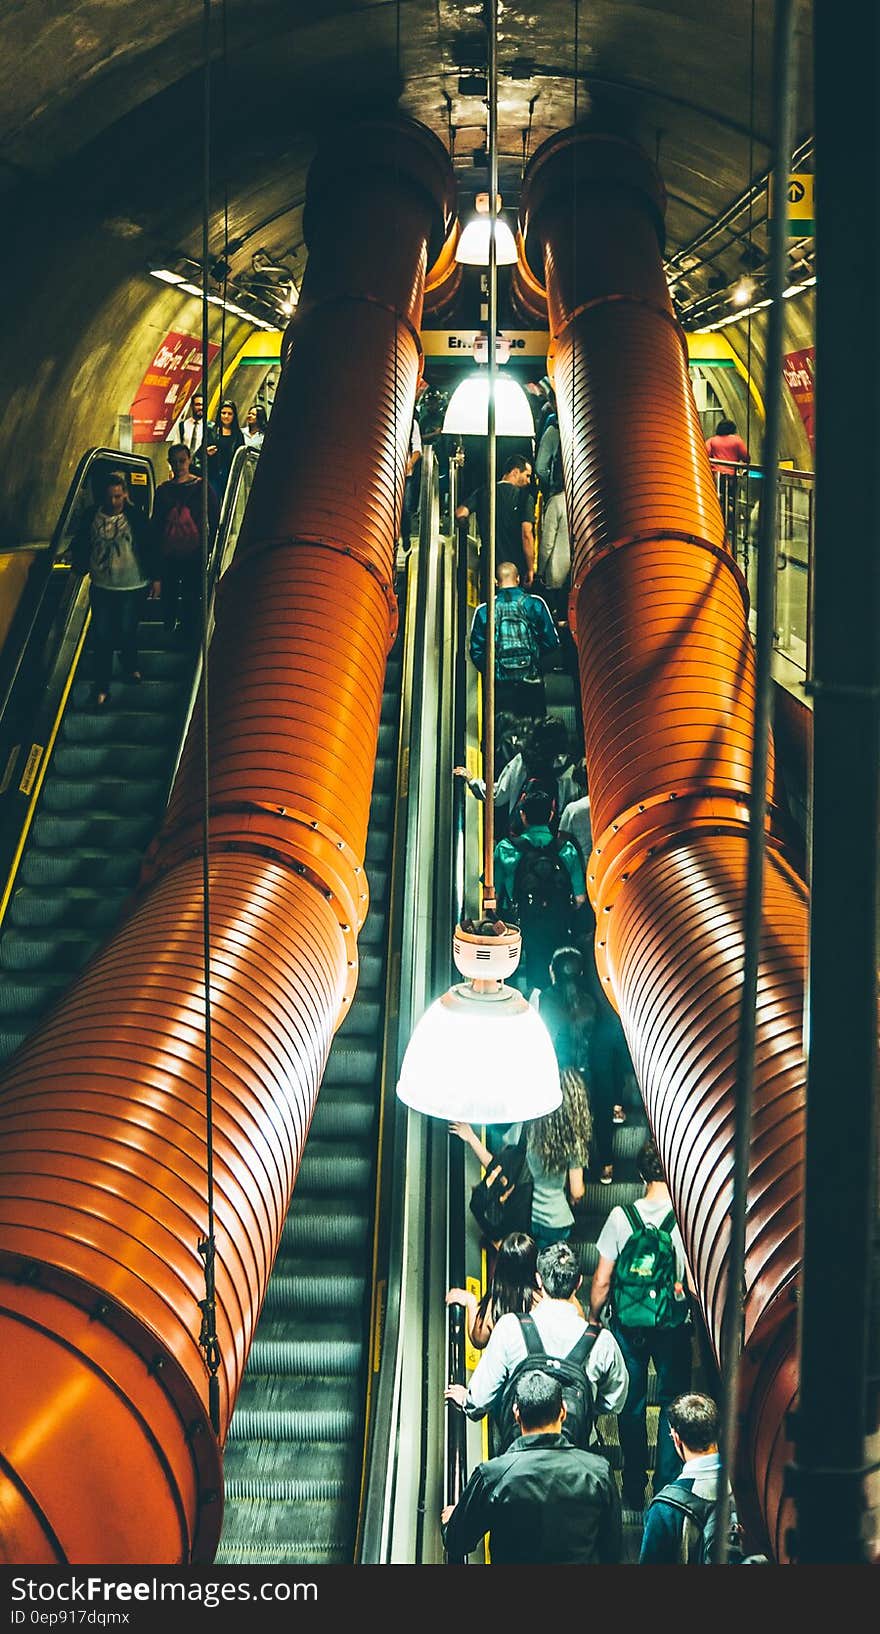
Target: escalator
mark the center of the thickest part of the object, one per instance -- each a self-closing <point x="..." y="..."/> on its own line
<point x="294" y="1451"/>
<point x="104" y="793"/>
<point x="98" y="787"/>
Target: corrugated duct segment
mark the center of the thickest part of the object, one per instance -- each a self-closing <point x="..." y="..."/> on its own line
<point x="668" y="687"/>
<point x="106" y="1450"/>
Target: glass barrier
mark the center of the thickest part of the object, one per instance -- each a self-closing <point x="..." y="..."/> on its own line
<point x="739" y="494"/>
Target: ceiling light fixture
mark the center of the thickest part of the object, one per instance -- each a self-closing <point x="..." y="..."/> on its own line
<point x="467" y="413"/>
<point x="473" y="246"/>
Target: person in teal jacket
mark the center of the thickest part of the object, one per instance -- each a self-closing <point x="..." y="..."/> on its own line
<point x="541" y="897"/>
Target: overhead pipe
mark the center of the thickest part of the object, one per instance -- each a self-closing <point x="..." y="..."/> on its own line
<point x="667" y="672"/>
<point x="106" y="1450"/>
<point x="444" y="279"/>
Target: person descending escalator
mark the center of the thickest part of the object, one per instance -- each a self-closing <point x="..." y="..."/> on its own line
<point x="642" y="1270"/>
<point x="544" y="1501"/>
<point x="524" y="633"/>
<point x="113" y="544"/>
<point x="513" y="1285"/>
<point x="177" y="527"/>
<point x="540" y="884"/>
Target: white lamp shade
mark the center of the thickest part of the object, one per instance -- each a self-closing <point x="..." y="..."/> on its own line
<point x="473" y="246"/>
<point x="467" y="413"/>
<point x="476" y="1059"/>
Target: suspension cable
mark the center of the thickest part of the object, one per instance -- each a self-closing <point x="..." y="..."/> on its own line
<point x="732" y="1325"/>
<point x="208" y="1340"/>
<point x="489" y="897"/>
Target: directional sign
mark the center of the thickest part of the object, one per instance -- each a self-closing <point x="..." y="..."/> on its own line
<point x="799" y="204"/>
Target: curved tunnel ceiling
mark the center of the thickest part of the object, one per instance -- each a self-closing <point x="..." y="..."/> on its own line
<point x="110" y="96"/>
<point x="101" y="160"/>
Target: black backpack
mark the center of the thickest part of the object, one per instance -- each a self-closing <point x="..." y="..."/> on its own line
<point x="698" y="1528"/>
<point x="541" y="889"/>
<point x="577" y="1391"/>
<point x="516" y="644"/>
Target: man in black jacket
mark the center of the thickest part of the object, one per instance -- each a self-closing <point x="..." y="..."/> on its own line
<point x="543" y="1502"/>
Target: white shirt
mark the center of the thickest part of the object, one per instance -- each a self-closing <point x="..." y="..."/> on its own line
<point x="554" y="553"/>
<point x="560" y="1328"/>
<point x="576" y="822"/>
<point x="617" y="1230"/>
<point x="188" y="431"/>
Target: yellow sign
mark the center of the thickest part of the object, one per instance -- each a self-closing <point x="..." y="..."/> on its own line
<point x="459" y="343"/>
<point x="31" y="767"/>
<point x="799" y="203"/>
<point x="138" y="479"/>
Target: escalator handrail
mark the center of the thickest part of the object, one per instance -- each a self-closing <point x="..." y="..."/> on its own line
<point x="410" y="954"/>
<point x="456" y="1473"/>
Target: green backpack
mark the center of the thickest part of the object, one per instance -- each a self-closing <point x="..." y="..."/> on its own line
<point x="645" y="1275"/>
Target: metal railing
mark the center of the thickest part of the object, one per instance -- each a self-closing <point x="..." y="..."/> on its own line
<point x="738" y="493"/>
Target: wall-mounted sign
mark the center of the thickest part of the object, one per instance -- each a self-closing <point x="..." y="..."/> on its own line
<point x="799" y="204"/>
<point x="799" y="374"/>
<point x="169" y="383"/>
<point x="460" y="344"/>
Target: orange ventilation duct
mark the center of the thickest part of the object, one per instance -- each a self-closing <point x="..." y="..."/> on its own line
<point x="444" y="279"/>
<point x="106" y="1450"/>
<point x="668" y="683"/>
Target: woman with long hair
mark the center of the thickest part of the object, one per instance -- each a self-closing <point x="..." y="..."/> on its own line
<point x="513" y="1287"/>
<point x="222" y="441"/>
<point x="558" y="1152"/>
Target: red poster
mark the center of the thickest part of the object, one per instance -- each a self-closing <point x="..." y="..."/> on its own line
<point x="799" y="373"/>
<point x="167" y="386"/>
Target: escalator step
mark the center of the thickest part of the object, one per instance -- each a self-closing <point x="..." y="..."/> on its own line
<point x="371" y="968"/>
<point x="77" y="909"/>
<point x="325" y="1168"/>
<point x="373" y="932"/>
<point x="18" y="998"/>
<point x="293" y="1424"/>
<point x="155" y="663"/>
<point x="311" y="1229"/>
<point x="94" y="829"/>
<point x="114" y="726"/>
<point x="315" y="1357"/>
<point x="96" y="760"/>
<point x="111" y="794"/>
<point x="330" y="1465"/>
<point x="67" y="950"/>
<point x="379" y="876"/>
<point x="352" y="1065"/>
<point x="311" y="1552"/>
<point x="251" y="1489"/>
<point x="10" y="1039"/>
<point x="148" y="696"/>
<point x="292" y="1294"/>
<point x="343" y="1119"/>
<point x="387" y="740"/>
<point x="47" y="867"/>
<point x="380" y="808"/>
<point x="364" y="1020"/>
